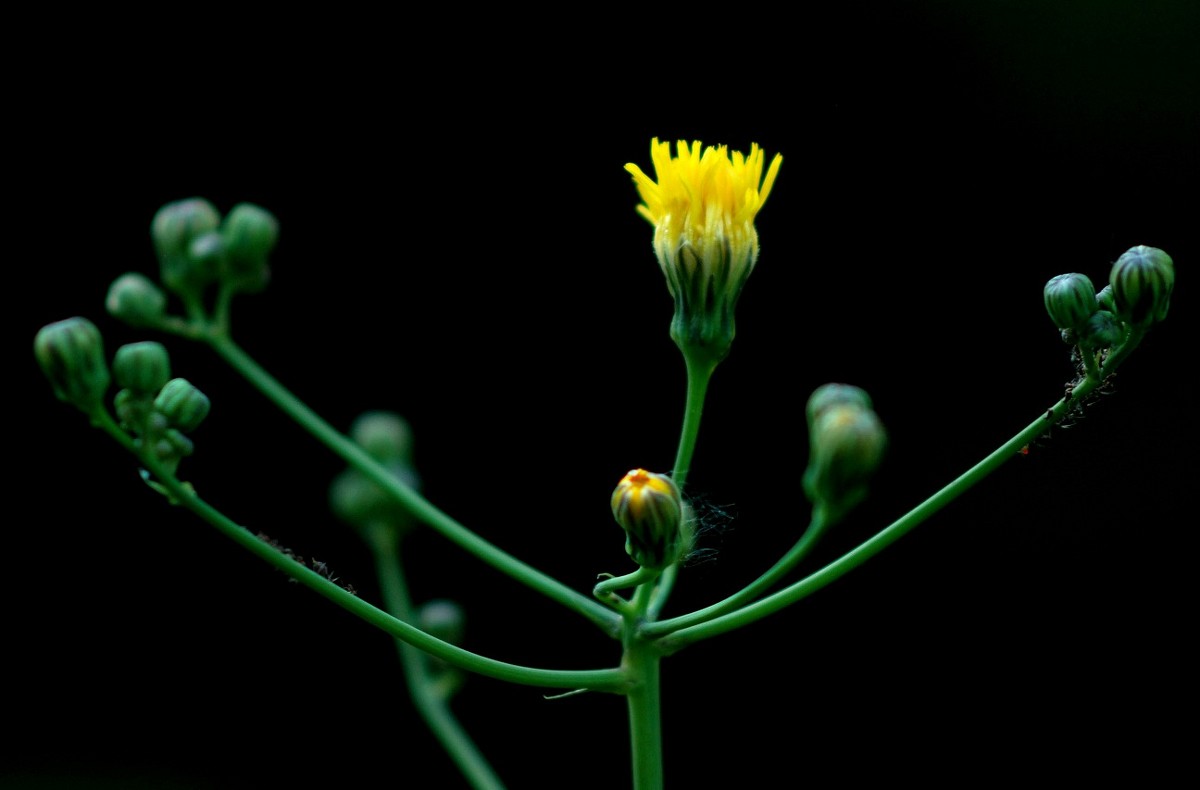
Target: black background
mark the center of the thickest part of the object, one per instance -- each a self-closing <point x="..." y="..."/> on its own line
<point x="459" y="243"/>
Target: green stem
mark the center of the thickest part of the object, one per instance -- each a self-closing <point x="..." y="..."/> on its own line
<point x="641" y="661"/>
<point x="857" y="556"/>
<point x="810" y="537"/>
<point x="611" y="680"/>
<point x="700" y="367"/>
<point x="416" y="504"/>
<point x="433" y="707"/>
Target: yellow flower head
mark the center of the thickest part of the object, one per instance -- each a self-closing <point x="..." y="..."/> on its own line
<point x="703" y="206"/>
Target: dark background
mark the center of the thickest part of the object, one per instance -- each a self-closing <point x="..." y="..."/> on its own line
<point x="459" y="243"/>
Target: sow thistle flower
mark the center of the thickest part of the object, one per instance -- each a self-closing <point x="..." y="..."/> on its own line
<point x="703" y="206"/>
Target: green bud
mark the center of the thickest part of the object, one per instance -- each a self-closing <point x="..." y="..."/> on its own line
<point x="847" y="443"/>
<point x="134" y="299"/>
<point x="142" y="367"/>
<point x="828" y="395"/>
<point x="184" y="406"/>
<point x="1104" y="297"/>
<point x="650" y="510"/>
<point x="71" y="354"/>
<point x="1070" y="300"/>
<point x="1142" y="280"/>
<point x="444" y="619"/>
<point x="173" y="229"/>
<point x="1102" y="330"/>
<point x="249" y="233"/>
<point x="207" y="251"/>
<point x="384" y="435"/>
<point x="359" y="502"/>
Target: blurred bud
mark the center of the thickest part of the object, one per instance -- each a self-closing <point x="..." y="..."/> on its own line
<point x="249" y="234"/>
<point x="1102" y="330"/>
<point x="360" y="502"/>
<point x="173" y="230"/>
<point x="134" y="299"/>
<point x="1070" y="300"/>
<point x="184" y="406"/>
<point x="384" y="435"/>
<point x="1142" y="280"/>
<point x="444" y="619"/>
<point x="650" y="510"/>
<point x="207" y="251"/>
<point x="142" y="367"/>
<point x="71" y="354"/>
<point x="847" y="442"/>
<point x="1104" y="298"/>
<point x="828" y="395"/>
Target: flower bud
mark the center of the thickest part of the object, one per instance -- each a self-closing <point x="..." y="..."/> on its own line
<point x="1142" y="279"/>
<point x="847" y="443"/>
<point x="360" y="502"/>
<point x="173" y="229"/>
<point x="71" y="354"/>
<point x="828" y="395"/>
<point x="134" y="299"/>
<point x="1070" y="300"/>
<point x="1102" y="330"/>
<point x="444" y="619"/>
<point x="650" y="510"/>
<point x="384" y="435"/>
<point x="184" y="406"/>
<point x="142" y="367"/>
<point x="1104" y="298"/>
<point x="249" y="234"/>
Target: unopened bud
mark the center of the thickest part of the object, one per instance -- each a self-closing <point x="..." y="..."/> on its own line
<point x="249" y="233"/>
<point x="847" y="443"/>
<point x="1102" y="330"/>
<point x="385" y="436"/>
<point x="142" y="367"/>
<point x="174" y="228"/>
<point x="1070" y="300"/>
<point x="828" y="395"/>
<point x="650" y="510"/>
<point x="184" y="406"/>
<point x="1142" y="280"/>
<point x="134" y="299"/>
<point x="71" y="354"/>
<point x="444" y="619"/>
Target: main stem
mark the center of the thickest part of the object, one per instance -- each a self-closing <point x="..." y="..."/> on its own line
<point x="641" y="664"/>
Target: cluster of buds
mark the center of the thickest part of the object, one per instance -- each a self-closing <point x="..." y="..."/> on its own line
<point x="649" y="508"/>
<point x="196" y="248"/>
<point x="846" y="444"/>
<point x="1138" y="295"/>
<point x="157" y="409"/>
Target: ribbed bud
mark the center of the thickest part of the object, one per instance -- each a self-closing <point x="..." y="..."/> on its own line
<point x="1142" y="280"/>
<point x="385" y="436"/>
<point x="834" y="394"/>
<point x="173" y="230"/>
<point x="847" y="442"/>
<point x="1102" y="330"/>
<point x="142" y="367"/>
<point x="137" y="301"/>
<point x="184" y="406"/>
<point x="1070" y="300"/>
<point x="1104" y="298"/>
<point x="71" y="354"/>
<point x="249" y="233"/>
<point x="650" y="510"/>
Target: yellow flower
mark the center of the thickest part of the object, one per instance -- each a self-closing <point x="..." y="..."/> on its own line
<point x="648" y="507"/>
<point x="703" y="206"/>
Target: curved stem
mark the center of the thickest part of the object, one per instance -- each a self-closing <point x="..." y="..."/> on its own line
<point x="857" y="556"/>
<point x="422" y="686"/>
<point x="700" y="368"/>
<point x="611" y="680"/>
<point x="810" y="537"/>
<point x="416" y="504"/>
